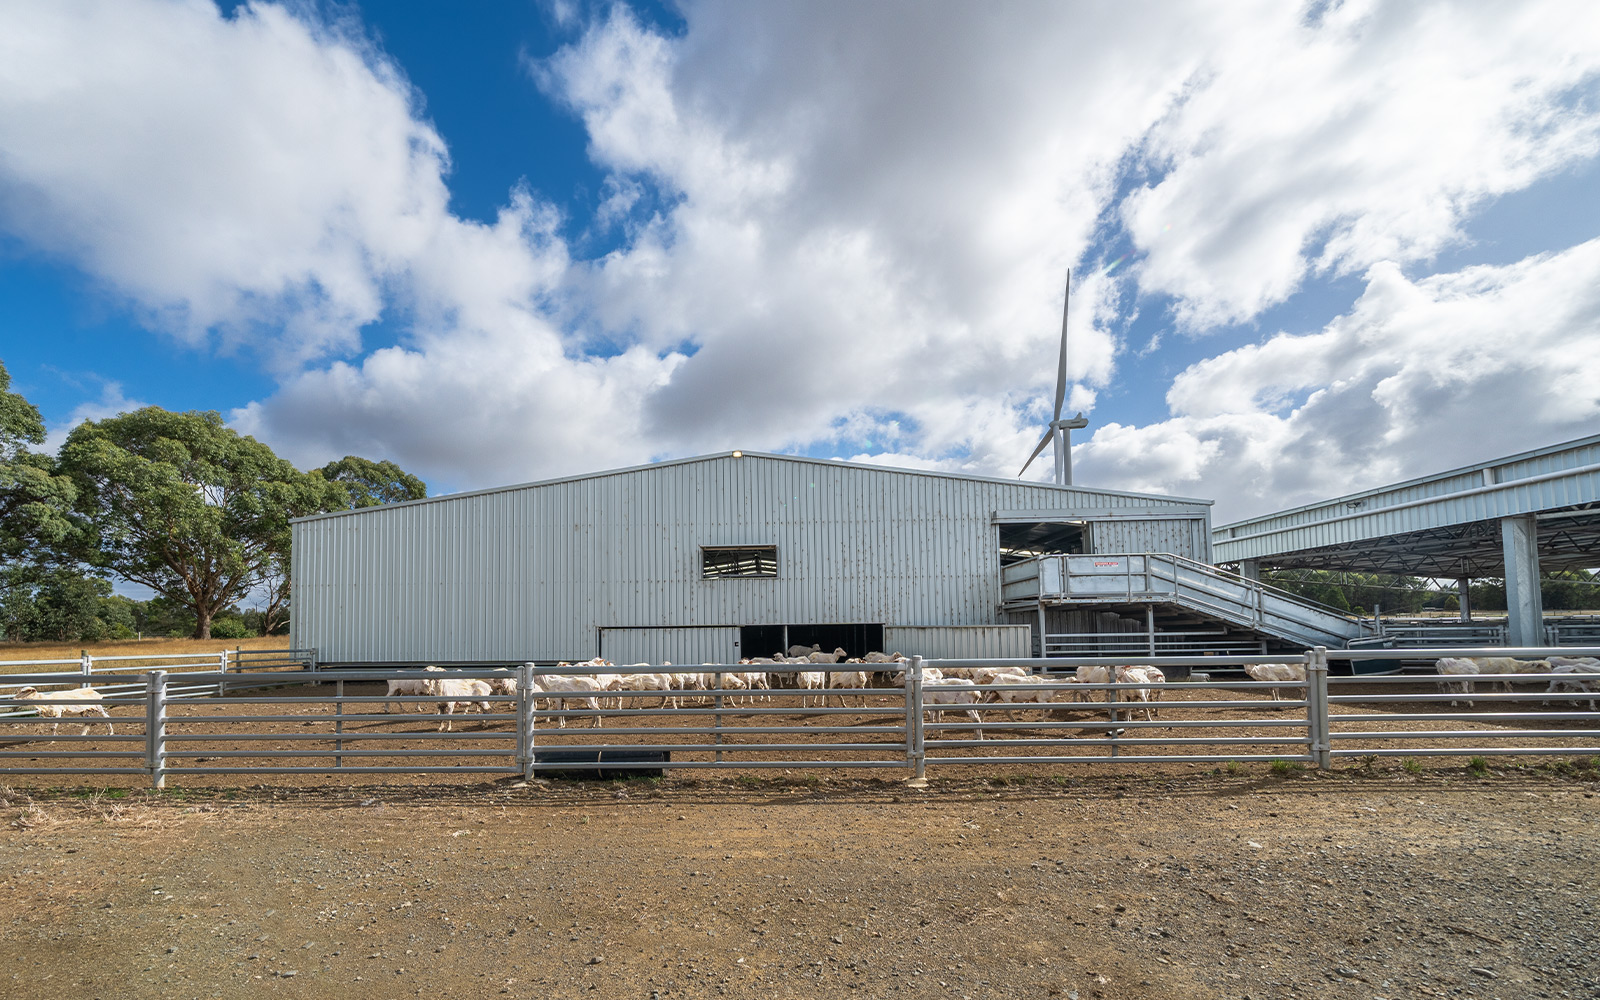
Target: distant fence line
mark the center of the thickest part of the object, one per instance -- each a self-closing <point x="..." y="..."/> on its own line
<point x="717" y="721"/>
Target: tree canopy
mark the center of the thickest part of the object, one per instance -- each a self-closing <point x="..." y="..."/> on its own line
<point x="370" y="483"/>
<point x="35" y="501"/>
<point x="187" y="506"/>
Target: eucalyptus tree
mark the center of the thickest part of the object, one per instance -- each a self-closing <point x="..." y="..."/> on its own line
<point x="187" y="506"/>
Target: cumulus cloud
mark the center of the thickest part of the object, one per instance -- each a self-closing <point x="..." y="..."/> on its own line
<point x="837" y="227"/>
<point x="259" y="178"/>
<point x="1419" y="376"/>
<point x="1365" y="134"/>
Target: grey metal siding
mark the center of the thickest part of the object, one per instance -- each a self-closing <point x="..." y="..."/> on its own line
<point x="531" y="573"/>
<point x="691" y="646"/>
<point x="1190" y="538"/>
<point x="959" y="641"/>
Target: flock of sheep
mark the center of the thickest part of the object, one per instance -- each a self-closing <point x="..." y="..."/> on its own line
<point x="949" y="690"/>
<point x="1579" y="674"/>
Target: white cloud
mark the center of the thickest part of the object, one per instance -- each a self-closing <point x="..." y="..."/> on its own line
<point x="843" y="229"/>
<point x="1420" y="376"/>
<point x="1368" y="135"/>
<point x="260" y="176"/>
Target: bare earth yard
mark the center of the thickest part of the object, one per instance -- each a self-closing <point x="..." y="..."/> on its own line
<point x="1071" y="882"/>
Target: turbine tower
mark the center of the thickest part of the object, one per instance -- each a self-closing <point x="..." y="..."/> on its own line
<point x="1058" y="430"/>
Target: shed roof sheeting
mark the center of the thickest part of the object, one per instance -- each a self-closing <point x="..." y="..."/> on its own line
<point x="531" y="572"/>
<point x="1561" y="477"/>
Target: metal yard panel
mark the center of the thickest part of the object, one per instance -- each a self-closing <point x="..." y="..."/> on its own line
<point x="533" y="572"/>
<point x="670" y="645"/>
<point x="959" y="642"/>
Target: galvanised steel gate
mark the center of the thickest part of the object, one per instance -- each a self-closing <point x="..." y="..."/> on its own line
<point x="912" y="716"/>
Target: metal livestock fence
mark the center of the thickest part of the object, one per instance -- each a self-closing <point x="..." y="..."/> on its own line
<point x="910" y="716"/>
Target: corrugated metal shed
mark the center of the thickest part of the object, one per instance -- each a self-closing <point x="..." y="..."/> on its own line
<point x="1445" y="524"/>
<point x="670" y="645"/>
<point x="959" y="642"/>
<point x="532" y="572"/>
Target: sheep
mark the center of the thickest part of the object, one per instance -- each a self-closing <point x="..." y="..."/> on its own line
<point x="404" y="686"/>
<point x="840" y="679"/>
<point x="833" y="657"/>
<point x="1092" y="675"/>
<point x="50" y="707"/>
<point x="1576" y="677"/>
<point x="455" y="693"/>
<point x="987" y="675"/>
<point x="811" y="680"/>
<point x="1458" y="667"/>
<point x="1041" y="696"/>
<point x="882" y="658"/>
<point x="1141" y="675"/>
<point x="952" y="691"/>
<point x="646" y="682"/>
<point x="805" y="651"/>
<point x="1276" y="672"/>
<point x="557" y="684"/>
<point x="1510" y="665"/>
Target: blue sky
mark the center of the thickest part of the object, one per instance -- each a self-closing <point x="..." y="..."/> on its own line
<point x="499" y="242"/>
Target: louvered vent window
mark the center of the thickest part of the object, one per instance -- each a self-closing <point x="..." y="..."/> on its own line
<point x="720" y="561"/>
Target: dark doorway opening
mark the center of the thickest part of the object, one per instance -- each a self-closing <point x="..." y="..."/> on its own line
<point x="1047" y="538"/>
<point x="856" y="640"/>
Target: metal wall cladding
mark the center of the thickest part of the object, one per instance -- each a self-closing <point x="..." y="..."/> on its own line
<point x="1188" y="538"/>
<point x="970" y="642"/>
<point x="530" y="572"/>
<point x="1420" y="505"/>
<point x="680" y="646"/>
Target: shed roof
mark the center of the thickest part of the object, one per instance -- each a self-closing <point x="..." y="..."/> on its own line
<point x="1442" y="525"/>
<point x="1101" y="497"/>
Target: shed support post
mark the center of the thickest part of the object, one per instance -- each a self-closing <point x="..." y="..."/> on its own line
<point x="1150" y="626"/>
<point x="155" y="727"/>
<point x="1317" y="707"/>
<point x="1464" y="598"/>
<point x="1250" y="569"/>
<point x="1519" y="540"/>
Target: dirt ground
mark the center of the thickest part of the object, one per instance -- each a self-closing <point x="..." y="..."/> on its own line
<point x="1175" y="881"/>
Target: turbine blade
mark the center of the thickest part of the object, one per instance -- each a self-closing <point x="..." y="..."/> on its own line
<point x="1042" y="442"/>
<point x="1061" y="370"/>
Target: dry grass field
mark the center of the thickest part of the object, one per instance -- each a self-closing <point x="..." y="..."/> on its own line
<point x="10" y="651"/>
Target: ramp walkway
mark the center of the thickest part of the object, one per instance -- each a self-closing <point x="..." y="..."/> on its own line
<point x="1127" y="581"/>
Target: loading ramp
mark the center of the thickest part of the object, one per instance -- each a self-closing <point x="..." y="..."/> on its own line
<point x="1173" y="589"/>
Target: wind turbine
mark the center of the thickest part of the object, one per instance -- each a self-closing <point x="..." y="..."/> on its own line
<point x="1060" y="430"/>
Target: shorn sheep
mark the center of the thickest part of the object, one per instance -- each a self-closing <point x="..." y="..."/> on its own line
<point x="1277" y="672"/>
<point x="1456" y="666"/>
<point x="412" y="686"/>
<point x="49" y="706"/>
<point x="457" y="694"/>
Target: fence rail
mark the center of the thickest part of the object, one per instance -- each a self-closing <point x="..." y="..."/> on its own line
<point x="915" y="715"/>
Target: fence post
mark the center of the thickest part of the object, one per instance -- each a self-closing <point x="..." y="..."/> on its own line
<point x="524" y="709"/>
<point x="916" y="748"/>
<point x="716" y="722"/>
<point x="338" y="723"/>
<point x="1317" y="706"/>
<point x="85" y="664"/>
<point x="155" y="727"/>
<point x="526" y="720"/>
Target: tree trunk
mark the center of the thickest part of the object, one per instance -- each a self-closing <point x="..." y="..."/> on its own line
<point x="202" y="625"/>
